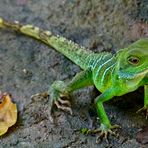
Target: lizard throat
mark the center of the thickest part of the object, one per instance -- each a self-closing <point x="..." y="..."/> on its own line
<point x="123" y="75"/>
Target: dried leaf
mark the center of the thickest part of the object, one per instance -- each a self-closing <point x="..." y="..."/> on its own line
<point x="8" y="114"/>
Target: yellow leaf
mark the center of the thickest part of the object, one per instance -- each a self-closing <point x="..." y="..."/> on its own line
<point x="3" y="128"/>
<point x="8" y="114"/>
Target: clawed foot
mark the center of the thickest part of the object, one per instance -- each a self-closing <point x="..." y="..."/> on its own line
<point x="103" y="131"/>
<point x="62" y="102"/>
<point x="145" y="110"/>
<point x="57" y="99"/>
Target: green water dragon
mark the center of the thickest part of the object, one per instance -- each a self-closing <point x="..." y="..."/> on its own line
<point x="112" y="74"/>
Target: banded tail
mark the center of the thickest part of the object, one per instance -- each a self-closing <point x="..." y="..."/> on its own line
<point x="74" y="52"/>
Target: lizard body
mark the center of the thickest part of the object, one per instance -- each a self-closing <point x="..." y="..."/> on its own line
<point x="112" y="74"/>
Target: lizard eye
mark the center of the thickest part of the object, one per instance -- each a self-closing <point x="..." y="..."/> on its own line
<point x="133" y="60"/>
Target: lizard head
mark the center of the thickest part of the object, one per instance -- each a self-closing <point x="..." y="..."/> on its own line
<point x="133" y="60"/>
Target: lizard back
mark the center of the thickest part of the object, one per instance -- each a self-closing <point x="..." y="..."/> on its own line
<point x="103" y="70"/>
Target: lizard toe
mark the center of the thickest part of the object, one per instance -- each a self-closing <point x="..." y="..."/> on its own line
<point x="62" y="107"/>
<point x="102" y="133"/>
<point x="64" y="102"/>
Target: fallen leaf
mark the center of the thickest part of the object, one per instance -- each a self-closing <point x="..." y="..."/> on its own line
<point x="8" y="113"/>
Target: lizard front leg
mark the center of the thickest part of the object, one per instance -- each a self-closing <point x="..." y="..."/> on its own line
<point x="60" y="90"/>
<point x="145" y="108"/>
<point x="105" y="127"/>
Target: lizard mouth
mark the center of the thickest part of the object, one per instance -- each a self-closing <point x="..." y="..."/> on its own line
<point x="143" y="73"/>
<point x="133" y="76"/>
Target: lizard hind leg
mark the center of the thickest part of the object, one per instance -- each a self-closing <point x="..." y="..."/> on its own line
<point x="59" y="91"/>
<point x="59" y="97"/>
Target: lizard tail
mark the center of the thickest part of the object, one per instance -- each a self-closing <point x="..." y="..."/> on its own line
<point x="74" y="52"/>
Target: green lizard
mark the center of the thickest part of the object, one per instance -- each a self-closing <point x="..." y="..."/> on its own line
<point x="112" y="74"/>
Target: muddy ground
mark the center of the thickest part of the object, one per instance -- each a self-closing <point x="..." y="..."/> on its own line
<point x="27" y="67"/>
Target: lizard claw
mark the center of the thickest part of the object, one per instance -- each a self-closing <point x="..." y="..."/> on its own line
<point x="103" y="131"/>
<point x="64" y="102"/>
<point x="60" y="105"/>
<point x="44" y="95"/>
<point x="145" y="110"/>
<point x="61" y="102"/>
